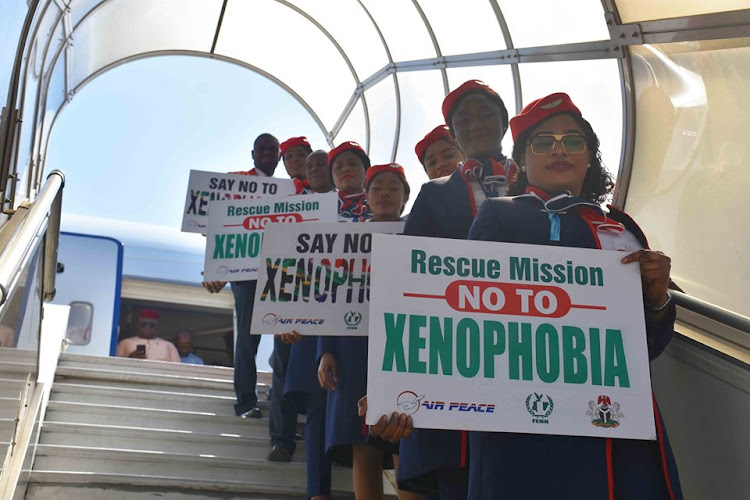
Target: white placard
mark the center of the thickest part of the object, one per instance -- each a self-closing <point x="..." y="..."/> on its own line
<point x="235" y="230"/>
<point x="315" y="278"/>
<point x="205" y="187"/>
<point x="489" y="336"/>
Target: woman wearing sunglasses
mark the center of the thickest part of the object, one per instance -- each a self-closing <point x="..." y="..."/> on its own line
<point x="559" y="191"/>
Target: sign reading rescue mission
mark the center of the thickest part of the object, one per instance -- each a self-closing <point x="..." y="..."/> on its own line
<point x="235" y="230"/>
<point x="206" y="187"/>
<point x="499" y="337"/>
<point x="315" y="278"/>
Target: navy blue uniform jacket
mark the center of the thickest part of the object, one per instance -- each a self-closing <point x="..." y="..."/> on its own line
<point x="506" y="465"/>
<point x="444" y="209"/>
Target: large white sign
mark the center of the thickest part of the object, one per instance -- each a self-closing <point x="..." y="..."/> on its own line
<point x="235" y="230"/>
<point x="500" y="337"/>
<point x="315" y="278"/>
<point x="205" y="187"/>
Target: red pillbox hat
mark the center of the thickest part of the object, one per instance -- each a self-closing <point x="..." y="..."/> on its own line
<point x="349" y="146"/>
<point x="438" y="133"/>
<point x="539" y="110"/>
<point x="148" y="314"/>
<point x="294" y="141"/>
<point x="389" y="167"/>
<point x="471" y="87"/>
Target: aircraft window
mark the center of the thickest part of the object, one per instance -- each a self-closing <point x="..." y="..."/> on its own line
<point x="643" y="10"/>
<point x="690" y="178"/>
<point x="79" y="323"/>
<point x="551" y="22"/>
<point x="268" y="34"/>
<point x="594" y="86"/>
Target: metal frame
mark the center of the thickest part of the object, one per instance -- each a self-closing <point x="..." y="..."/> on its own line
<point x="514" y="69"/>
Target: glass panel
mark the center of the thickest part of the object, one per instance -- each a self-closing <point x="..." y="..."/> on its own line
<point x="79" y="323"/>
<point x="422" y="96"/>
<point x="381" y="104"/>
<point x="595" y="88"/>
<point x="11" y="23"/>
<point x="403" y="29"/>
<point x="21" y="317"/>
<point x="348" y="23"/>
<point x="353" y="129"/>
<point x="324" y="81"/>
<point x="642" y="10"/>
<point x="55" y="99"/>
<point x="690" y="173"/>
<point x="551" y="22"/>
<point x="79" y="8"/>
<point x="29" y="94"/>
<point x="448" y="21"/>
<point x="500" y="79"/>
<point x="121" y="29"/>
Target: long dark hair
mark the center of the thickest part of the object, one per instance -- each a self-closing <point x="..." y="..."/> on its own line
<point x="598" y="182"/>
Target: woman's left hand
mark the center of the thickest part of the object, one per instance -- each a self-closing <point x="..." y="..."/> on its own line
<point x="655" y="267"/>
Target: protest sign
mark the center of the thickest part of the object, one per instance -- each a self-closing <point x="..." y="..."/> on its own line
<point x="235" y="230"/>
<point x="315" y="278"/>
<point x="504" y="337"/>
<point x="205" y="187"/>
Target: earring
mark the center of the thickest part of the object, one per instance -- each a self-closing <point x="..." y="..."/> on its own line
<point x="588" y="166"/>
<point x="523" y="168"/>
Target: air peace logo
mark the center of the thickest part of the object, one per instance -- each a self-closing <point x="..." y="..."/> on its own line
<point x="605" y="413"/>
<point x="408" y="402"/>
<point x="352" y="319"/>
<point x="552" y="104"/>
<point x="270" y="319"/>
<point x="540" y="406"/>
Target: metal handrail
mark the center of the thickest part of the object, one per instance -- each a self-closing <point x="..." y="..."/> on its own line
<point x="710" y="311"/>
<point x="25" y="237"/>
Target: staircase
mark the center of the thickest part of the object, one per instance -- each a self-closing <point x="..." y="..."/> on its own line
<point x="15" y="366"/>
<point x="118" y="428"/>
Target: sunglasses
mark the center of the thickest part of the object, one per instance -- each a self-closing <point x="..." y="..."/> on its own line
<point x="544" y="144"/>
<point x="149" y="324"/>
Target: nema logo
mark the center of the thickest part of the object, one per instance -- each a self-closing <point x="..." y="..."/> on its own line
<point x="353" y="319"/>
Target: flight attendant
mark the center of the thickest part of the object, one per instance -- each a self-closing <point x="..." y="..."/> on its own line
<point x="559" y="195"/>
<point x="438" y="152"/>
<point x="302" y="371"/>
<point x="435" y="461"/>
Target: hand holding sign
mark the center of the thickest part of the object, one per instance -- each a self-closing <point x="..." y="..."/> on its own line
<point x="655" y="269"/>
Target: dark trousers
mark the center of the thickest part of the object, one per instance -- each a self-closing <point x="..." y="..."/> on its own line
<point x="284" y="407"/>
<point x="318" y="463"/>
<point x="245" y="371"/>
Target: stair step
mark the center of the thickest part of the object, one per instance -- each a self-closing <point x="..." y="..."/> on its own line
<point x="164" y="367"/>
<point x="17" y="370"/>
<point x="7" y="425"/>
<point x="13" y="354"/>
<point x="166" y="441"/>
<point x="205" y="422"/>
<point x="144" y="377"/>
<point x="173" y="465"/>
<point x="45" y="485"/>
<point x="141" y="397"/>
<point x="11" y="388"/>
<point x="9" y="407"/>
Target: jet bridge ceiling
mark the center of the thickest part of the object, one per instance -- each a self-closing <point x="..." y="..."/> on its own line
<point x="663" y="84"/>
